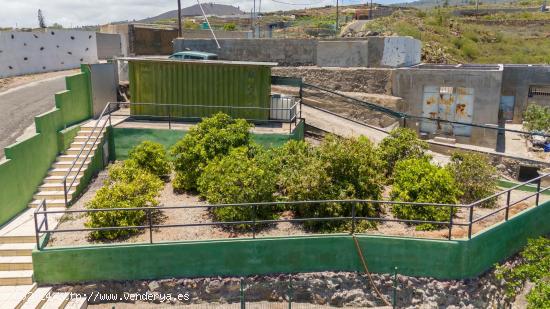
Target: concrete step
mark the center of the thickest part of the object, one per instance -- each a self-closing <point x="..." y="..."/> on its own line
<point x="57" y="186"/>
<point x="37" y="298"/>
<point x="59" y="179"/>
<point x="8" y="263"/>
<point x="65" y="171"/>
<point x="69" y="158"/>
<point x="49" y="203"/>
<point x="86" y="145"/>
<point x="77" y="303"/>
<point x="16" y="277"/>
<point x="88" y="133"/>
<point x="77" y="151"/>
<point x="69" y="164"/>
<point x="16" y="249"/>
<point x="53" y="195"/>
<point x="17" y="239"/>
<point x="56" y="300"/>
<point x="14" y="296"/>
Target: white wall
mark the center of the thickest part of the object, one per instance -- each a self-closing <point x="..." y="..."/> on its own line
<point x="401" y="51"/>
<point x="44" y="51"/>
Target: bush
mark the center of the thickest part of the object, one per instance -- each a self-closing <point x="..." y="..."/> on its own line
<point x="535" y="267"/>
<point x="229" y="27"/>
<point x="401" y="144"/>
<point x="127" y="187"/>
<point x="537" y="118"/>
<point x="476" y="176"/>
<point x="213" y="137"/>
<point x="417" y="180"/>
<point x="151" y="157"/>
<point x="238" y="177"/>
<point x="338" y="169"/>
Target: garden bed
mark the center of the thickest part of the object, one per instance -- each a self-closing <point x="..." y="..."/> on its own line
<point x="201" y="215"/>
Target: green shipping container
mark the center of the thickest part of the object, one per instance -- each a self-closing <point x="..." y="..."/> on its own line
<point x="200" y="88"/>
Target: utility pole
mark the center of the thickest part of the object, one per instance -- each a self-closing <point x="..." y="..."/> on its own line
<point x="179" y="19"/>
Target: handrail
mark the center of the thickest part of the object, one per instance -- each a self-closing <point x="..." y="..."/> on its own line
<point x="65" y="189"/>
<point x="536" y="179"/>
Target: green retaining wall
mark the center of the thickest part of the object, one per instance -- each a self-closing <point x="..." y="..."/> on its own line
<point x="66" y="136"/>
<point x="124" y="139"/>
<point x="28" y="161"/>
<point x="456" y="259"/>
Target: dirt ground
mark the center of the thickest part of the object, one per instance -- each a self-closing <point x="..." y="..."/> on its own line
<point x="201" y="215"/>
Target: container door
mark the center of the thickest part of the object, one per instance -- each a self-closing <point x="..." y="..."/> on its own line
<point x="430" y="104"/>
<point x="463" y="111"/>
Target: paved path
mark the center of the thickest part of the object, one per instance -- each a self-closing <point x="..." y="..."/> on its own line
<point x="21" y="104"/>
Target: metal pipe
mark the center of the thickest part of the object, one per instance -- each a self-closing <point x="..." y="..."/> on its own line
<point x="507" y="206"/>
<point x="209" y="26"/>
<point x="180" y="32"/>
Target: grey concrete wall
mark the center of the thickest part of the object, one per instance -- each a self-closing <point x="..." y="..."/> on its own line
<point x="516" y="80"/>
<point x="104" y="86"/>
<point x="409" y="84"/>
<point x="109" y="45"/>
<point x="122" y="30"/>
<point x="380" y="51"/>
<point x="283" y="51"/>
<point x="342" y="54"/>
<point x="206" y="34"/>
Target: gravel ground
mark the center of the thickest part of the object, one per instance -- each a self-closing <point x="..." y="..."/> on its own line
<point x="201" y="215"/>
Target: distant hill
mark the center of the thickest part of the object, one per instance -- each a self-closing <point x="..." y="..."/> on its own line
<point x="209" y="9"/>
<point x="434" y="3"/>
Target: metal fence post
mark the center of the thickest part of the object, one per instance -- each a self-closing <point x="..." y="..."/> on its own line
<point x="450" y="222"/>
<point x="538" y="192"/>
<point x="471" y="219"/>
<point x="254" y="221"/>
<point x="46" y="217"/>
<point x="290" y="292"/>
<point x="65" y="190"/>
<point x="150" y="219"/>
<point x="507" y="206"/>
<point x="169" y="117"/>
<point x="353" y="218"/>
<point x="394" y="296"/>
<point x="36" y="231"/>
<point x="243" y="305"/>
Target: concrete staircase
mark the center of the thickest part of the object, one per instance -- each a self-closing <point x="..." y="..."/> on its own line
<point x="17" y="238"/>
<point x="52" y="189"/>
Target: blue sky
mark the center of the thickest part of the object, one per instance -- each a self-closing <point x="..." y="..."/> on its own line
<point x="91" y="12"/>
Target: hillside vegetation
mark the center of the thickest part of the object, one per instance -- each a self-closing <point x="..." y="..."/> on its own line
<point x="515" y="37"/>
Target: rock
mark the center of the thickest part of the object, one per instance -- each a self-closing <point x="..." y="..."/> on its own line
<point x="153" y="285"/>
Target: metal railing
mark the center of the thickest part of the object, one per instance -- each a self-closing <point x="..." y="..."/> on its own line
<point x="110" y="107"/>
<point x="254" y="223"/>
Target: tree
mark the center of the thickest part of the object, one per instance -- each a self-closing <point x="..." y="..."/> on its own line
<point x="417" y="180"/>
<point x="401" y="144"/>
<point x="476" y="176"/>
<point x="213" y="137"/>
<point x="152" y="157"/>
<point x="41" y="20"/>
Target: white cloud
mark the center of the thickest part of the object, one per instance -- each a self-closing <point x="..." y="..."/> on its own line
<point x="23" y="13"/>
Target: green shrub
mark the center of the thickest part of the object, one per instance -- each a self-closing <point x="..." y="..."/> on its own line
<point x="338" y="169"/>
<point x="213" y="137"/>
<point x="229" y="27"/>
<point x="535" y="267"/>
<point x="151" y="157"/>
<point x="476" y="176"/>
<point x="238" y="177"/>
<point x="127" y="187"/>
<point x="417" y="180"/>
<point x="402" y="143"/>
<point x="537" y="118"/>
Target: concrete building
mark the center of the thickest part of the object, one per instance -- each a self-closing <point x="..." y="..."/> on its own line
<point x="368" y="52"/>
<point x="524" y="84"/>
<point x="458" y="93"/>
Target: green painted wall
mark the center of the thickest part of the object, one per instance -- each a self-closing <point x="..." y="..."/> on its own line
<point x="66" y="136"/>
<point x="457" y="259"/>
<point x="124" y="139"/>
<point x="195" y="83"/>
<point x="28" y="161"/>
